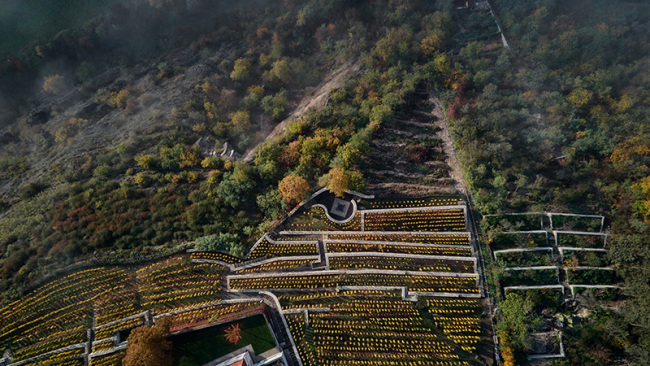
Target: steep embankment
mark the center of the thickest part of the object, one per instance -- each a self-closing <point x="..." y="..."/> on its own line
<point x="314" y="101"/>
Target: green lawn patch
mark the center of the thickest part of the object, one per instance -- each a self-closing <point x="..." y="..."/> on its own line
<point x="202" y="346"/>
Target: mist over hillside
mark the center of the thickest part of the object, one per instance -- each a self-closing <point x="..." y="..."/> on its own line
<point x="80" y="40"/>
<point x="133" y="130"/>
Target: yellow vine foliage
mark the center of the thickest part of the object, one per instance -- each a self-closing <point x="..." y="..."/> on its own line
<point x="642" y="205"/>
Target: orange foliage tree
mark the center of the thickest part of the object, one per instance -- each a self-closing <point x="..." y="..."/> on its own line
<point x="53" y="84"/>
<point x="293" y="188"/>
<point x="148" y="345"/>
<point x="291" y="153"/>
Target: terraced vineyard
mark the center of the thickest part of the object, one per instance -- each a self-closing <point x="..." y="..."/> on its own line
<point x="426" y="264"/>
<point x="335" y="247"/>
<point x="453" y="239"/>
<point x="374" y="330"/>
<point x="396" y="284"/>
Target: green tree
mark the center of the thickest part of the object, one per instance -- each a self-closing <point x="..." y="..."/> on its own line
<point x="471" y="52"/>
<point x="280" y="71"/>
<point x="380" y="113"/>
<point x="276" y="104"/>
<point x="346" y="156"/>
<point x="146" y="161"/>
<point x="233" y="192"/>
<point x="271" y="203"/>
<point x="102" y="171"/>
<point x="516" y="320"/>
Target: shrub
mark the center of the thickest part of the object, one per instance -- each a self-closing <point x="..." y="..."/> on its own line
<point x="220" y="242"/>
<point x="54" y="84"/>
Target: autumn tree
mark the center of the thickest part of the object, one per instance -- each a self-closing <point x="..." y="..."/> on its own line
<point x="580" y="97"/>
<point x="189" y="157"/>
<point x="394" y="47"/>
<point x="255" y="93"/>
<point x="54" y="84"/>
<point x="210" y="110"/>
<point x="142" y="179"/>
<point x="641" y="189"/>
<point x="572" y="263"/>
<point x="147" y="161"/>
<point x="293" y="188"/>
<point x="241" y="120"/>
<point x="291" y="153"/>
<point x="439" y="27"/>
<point x="212" y="163"/>
<point x="148" y="345"/>
<point x="429" y="45"/>
<point x="339" y="181"/>
<point x="241" y="70"/>
<point x="119" y="99"/>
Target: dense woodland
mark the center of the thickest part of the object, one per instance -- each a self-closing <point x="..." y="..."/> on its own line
<point x="559" y="122"/>
<point x="556" y="121"/>
<point x="155" y="189"/>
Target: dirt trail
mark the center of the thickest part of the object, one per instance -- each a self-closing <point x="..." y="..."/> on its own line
<point x="455" y="170"/>
<point x="460" y="185"/>
<point x="318" y="99"/>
